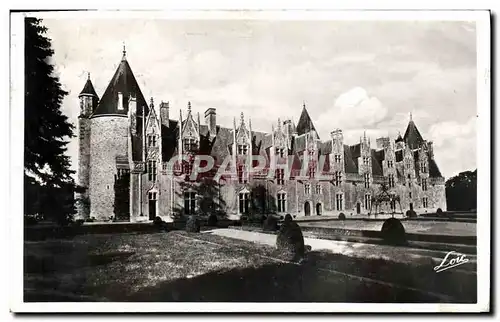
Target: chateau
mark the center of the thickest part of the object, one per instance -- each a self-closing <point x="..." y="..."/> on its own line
<point x="127" y="145"/>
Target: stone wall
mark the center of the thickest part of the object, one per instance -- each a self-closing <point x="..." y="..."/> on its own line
<point x="108" y="139"/>
<point x="83" y="163"/>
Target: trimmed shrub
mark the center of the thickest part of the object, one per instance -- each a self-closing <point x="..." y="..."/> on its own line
<point x="212" y="220"/>
<point x="439" y="211"/>
<point x="270" y="224"/>
<point x="290" y="241"/>
<point x="342" y="216"/>
<point x="193" y="224"/>
<point x="79" y="222"/>
<point x="393" y="232"/>
<point x="411" y="214"/>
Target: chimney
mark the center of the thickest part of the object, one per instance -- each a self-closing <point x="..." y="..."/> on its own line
<point x="211" y="121"/>
<point x="383" y="143"/>
<point x="164" y="116"/>
<point x="132" y="114"/>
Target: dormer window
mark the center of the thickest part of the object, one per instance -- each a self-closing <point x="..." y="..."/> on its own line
<point x="366" y="160"/>
<point x="190" y="145"/>
<point x="390" y="164"/>
<point x="423" y="167"/>
<point x="280" y="152"/>
<point x="151" y="140"/>
<point x="120" y="102"/>
<point x="242" y="149"/>
<point x="338" y="158"/>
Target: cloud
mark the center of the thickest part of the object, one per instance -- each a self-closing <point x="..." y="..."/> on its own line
<point x="353" y="109"/>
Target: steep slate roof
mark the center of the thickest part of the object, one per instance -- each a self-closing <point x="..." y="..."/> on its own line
<point x="412" y="136"/>
<point x="123" y="81"/>
<point x="377" y="157"/>
<point x="88" y="89"/>
<point x="434" y="169"/>
<point x="305" y="124"/>
<point x="350" y="165"/>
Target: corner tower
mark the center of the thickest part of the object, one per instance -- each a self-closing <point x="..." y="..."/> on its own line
<point x="109" y="138"/>
<point x="88" y="102"/>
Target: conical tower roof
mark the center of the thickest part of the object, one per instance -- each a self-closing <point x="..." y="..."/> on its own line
<point x="88" y="89"/>
<point x="305" y="124"/>
<point x="124" y="82"/>
<point x="412" y="136"/>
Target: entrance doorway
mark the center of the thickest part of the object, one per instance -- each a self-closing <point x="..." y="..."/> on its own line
<point x="358" y="208"/>
<point x="152" y="205"/>
<point x="318" y="209"/>
<point x="411" y="206"/>
<point x="307" y="208"/>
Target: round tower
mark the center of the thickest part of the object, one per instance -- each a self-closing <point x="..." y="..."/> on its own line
<point x="109" y="139"/>
<point x="88" y="102"/>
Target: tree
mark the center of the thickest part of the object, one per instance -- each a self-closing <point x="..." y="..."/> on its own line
<point x="461" y="191"/>
<point x="49" y="187"/>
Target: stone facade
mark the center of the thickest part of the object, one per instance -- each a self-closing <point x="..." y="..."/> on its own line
<point x="302" y="174"/>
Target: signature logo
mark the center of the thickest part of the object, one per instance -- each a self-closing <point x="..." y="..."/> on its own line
<point x="452" y="259"/>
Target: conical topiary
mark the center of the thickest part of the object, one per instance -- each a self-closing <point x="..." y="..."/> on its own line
<point x="393" y="232"/>
<point x="290" y="241"/>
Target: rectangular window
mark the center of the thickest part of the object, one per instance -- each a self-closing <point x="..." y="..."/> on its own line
<point x="391" y="181"/>
<point x="242" y="178"/>
<point x="423" y="167"/>
<point x="393" y="205"/>
<point x="151" y="140"/>
<point x="281" y="202"/>
<point x="424" y="184"/>
<point x="189" y="203"/>
<point x="307" y="189"/>
<point x="242" y="149"/>
<point x="280" y="152"/>
<point x="152" y="195"/>
<point x="367" y="180"/>
<point x="189" y="145"/>
<point x="366" y="160"/>
<point x="409" y="194"/>
<point x="339" y="201"/>
<point x="244" y="199"/>
<point x="312" y="172"/>
<point x="280" y="176"/>
<point x="337" y="178"/>
<point x="151" y="169"/>
<point x="409" y="181"/>
<point x="425" y="202"/>
<point x="338" y="158"/>
<point x="367" y="202"/>
<point x="390" y="164"/>
<point x="318" y="189"/>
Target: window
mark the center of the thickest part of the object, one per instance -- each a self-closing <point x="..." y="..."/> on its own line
<point x="189" y="203"/>
<point x="425" y="202"/>
<point x="366" y="160"/>
<point x="339" y="201"/>
<point x="393" y="205"/>
<point x="390" y="164"/>
<point x="312" y="172"/>
<point x="152" y="195"/>
<point x="424" y="184"/>
<point x="151" y="169"/>
<point x="367" y="202"/>
<point x="280" y="152"/>
<point x="338" y="158"/>
<point x="280" y="176"/>
<point x="307" y="189"/>
<point x="120" y="101"/>
<point x="189" y="144"/>
<point x="242" y="149"/>
<point x="367" y="180"/>
<point x="409" y="194"/>
<point x="242" y="178"/>
<point x="243" y="202"/>
<point x="391" y="181"/>
<point x="409" y="181"/>
<point x="281" y="202"/>
<point x="122" y="172"/>
<point x="423" y="167"/>
<point x="318" y="189"/>
<point x="337" y="178"/>
<point x="151" y="140"/>
<point x="408" y="164"/>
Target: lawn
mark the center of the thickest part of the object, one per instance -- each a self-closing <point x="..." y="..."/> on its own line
<point x="178" y="266"/>
<point x="413" y="226"/>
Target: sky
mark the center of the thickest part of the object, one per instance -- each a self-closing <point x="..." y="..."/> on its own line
<point x="354" y="75"/>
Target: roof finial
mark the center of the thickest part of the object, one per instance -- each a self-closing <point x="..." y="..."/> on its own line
<point x="303" y="104"/>
<point x="88" y="75"/>
<point x="152" y="103"/>
<point x="124" y="51"/>
<point x="411" y="118"/>
<point x="242" y="118"/>
<point x="189" y="107"/>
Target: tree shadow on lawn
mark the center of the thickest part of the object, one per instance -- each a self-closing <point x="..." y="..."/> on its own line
<point x="313" y="281"/>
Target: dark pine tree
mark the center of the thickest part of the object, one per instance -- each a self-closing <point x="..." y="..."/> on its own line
<point x="461" y="191"/>
<point x="49" y="187"/>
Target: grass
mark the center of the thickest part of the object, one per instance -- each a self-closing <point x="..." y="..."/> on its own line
<point x="178" y="266"/>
